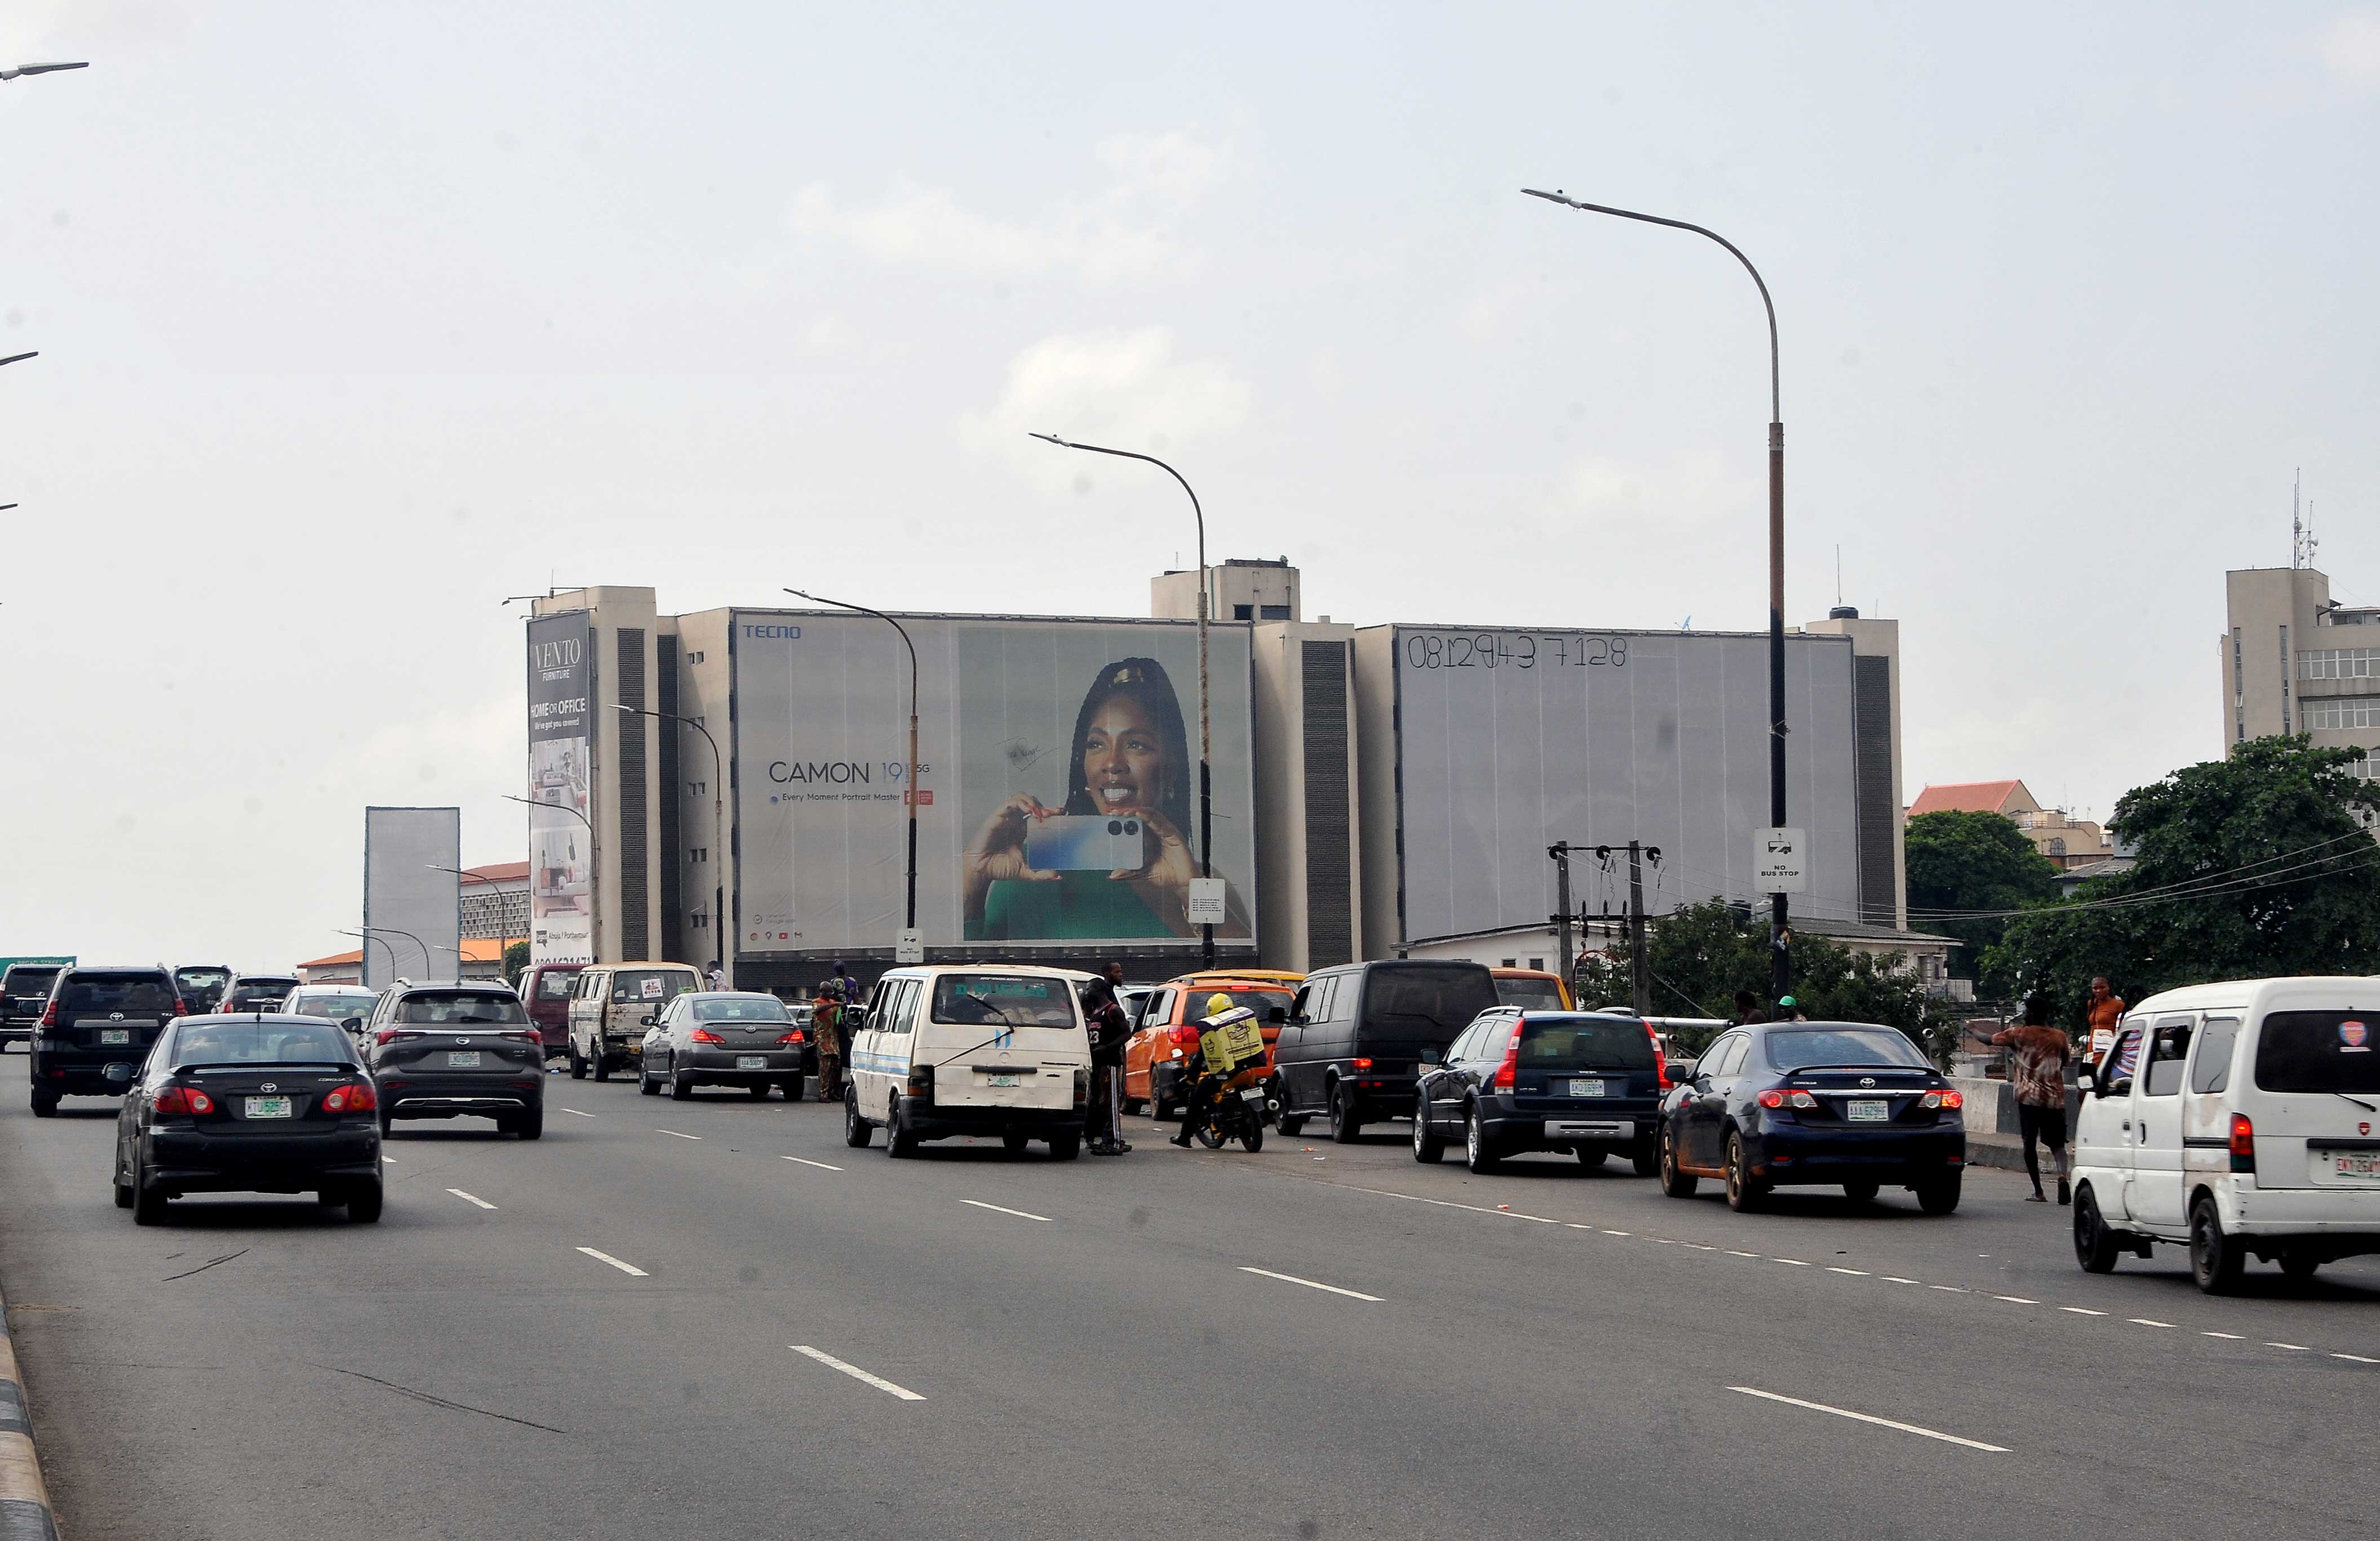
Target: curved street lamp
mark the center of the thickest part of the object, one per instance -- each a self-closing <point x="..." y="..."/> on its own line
<point x="719" y="937"/>
<point x="42" y="68"/>
<point x="910" y="793"/>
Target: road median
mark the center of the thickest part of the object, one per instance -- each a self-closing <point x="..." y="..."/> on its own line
<point x="24" y="1501"/>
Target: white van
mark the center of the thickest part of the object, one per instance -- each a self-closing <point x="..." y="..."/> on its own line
<point x="984" y="1049"/>
<point x="2235" y="1119"/>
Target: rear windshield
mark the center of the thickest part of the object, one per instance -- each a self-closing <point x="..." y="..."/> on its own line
<point x="2319" y="1051"/>
<point x="1425" y="1004"/>
<point x="136" y="995"/>
<point x="261" y="1043"/>
<point x="268" y="990"/>
<point x="203" y="979"/>
<point x="1003" y="999"/>
<point x="1801" y="1048"/>
<point x="750" y="1008"/>
<point x="24" y="980"/>
<point x="555" y="986"/>
<point x="341" y="1006"/>
<point x="1261" y="1001"/>
<point x="462" y="1008"/>
<point x="1542" y="995"/>
<point x="649" y="984"/>
<point x="1576" y="1043"/>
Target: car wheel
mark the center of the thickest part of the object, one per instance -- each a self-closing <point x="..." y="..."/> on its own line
<point x="1939" y="1195"/>
<point x="531" y="1125"/>
<point x="1065" y="1147"/>
<point x="1862" y="1193"/>
<point x="681" y="1089"/>
<point x="2299" y="1266"/>
<point x="363" y="1204"/>
<point x="1646" y="1159"/>
<point x="646" y="1083"/>
<point x="2215" y="1259"/>
<point x="388" y="1120"/>
<point x="1744" y="1192"/>
<point x="601" y="1063"/>
<point x="759" y="1091"/>
<point x="123" y="1190"/>
<point x="2095" y="1245"/>
<point x="1593" y="1155"/>
<point x="856" y="1130"/>
<point x="899" y="1142"/>
<point x="1160" y="1110"/>
<point x="1475" y="1154"/>
<point x="1344" y="1125"/>
<point x="794" y="1090"/>
<point x="148" y="1203"/>
<point x="1427" y="1148"/>
<point x="577" y="1064"/>
<point x="1676" y="1183"/>
<point x="45" y="1103"/>
<point x="1014" y="1144"/>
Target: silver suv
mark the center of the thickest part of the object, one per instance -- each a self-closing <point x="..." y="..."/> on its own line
<point x="456" y="1051"/>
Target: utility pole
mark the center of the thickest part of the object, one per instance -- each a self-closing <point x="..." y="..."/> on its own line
<point x="1639" y="973"/>
<point x="1560" y="851"/>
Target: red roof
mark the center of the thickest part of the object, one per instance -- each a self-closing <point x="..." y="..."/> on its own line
<point x="503" y="871"/>
<point x="478" y="949"/>
<point x="1966" y="797"/>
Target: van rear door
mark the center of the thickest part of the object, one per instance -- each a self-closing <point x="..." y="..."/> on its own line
<point x="1004" y="1041"/>
<point x="2314" y="1103"/>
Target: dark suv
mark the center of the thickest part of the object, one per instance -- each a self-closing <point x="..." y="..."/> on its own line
<point x="97" y="1026"/>
<point x="200" y="986"/>
<point x="1585" y="1082"/>
<point x="24" y="990"/>
<point x="257" y="993"/>
<point x="458" y="1051"/>
<point x="1357" y="1037"/>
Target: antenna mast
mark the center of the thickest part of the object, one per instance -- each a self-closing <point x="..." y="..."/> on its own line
<point x="2297" y="522"/>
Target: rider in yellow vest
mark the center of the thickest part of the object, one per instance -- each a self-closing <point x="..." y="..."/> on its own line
<point x="1220" y="1056"/>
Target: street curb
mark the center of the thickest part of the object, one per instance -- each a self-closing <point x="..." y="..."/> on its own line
<point x="24" y="1502"/>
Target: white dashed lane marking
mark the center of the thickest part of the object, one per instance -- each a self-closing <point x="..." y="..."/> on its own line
<point x="999" y="1209"/>
<point x="575" y="1113"/>
<point x="2145" y="1321"/>
<point x="674" y="1134"/>
<point x="607" y="1258"/>
<point x="2082" y="1311"/>
<point x="831" y="1362"/>
<point x="470" y="1198"/>
<point x="1872" y="1418"/>
<point x="1311" y="1284"/>
<point x="807" y="1162"/>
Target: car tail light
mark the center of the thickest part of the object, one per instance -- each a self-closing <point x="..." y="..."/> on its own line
<point x="1081" y="1087"/>
<point x="387" y="1036"/>
<point x="351" y="1099"/>
<point x="181" y="1007"/>
<point x="1363" y="1064"/>
<point x="793" y="1038"/>
<point x="188" y="1101"/>
<point x="1786" y="1096"/>
<point x="921" y="1082"/>
<point x="1507" y="1073"/>
<point x="2244" y="1144"/>
<point x="1184" y="1033"/>
<point x="1948" y="1101"/>
<point x="704" y="1035"/>
<point x="50" y="1014"/>
<point x="1660" y="1061"/>
<point x="525" y="1034"/>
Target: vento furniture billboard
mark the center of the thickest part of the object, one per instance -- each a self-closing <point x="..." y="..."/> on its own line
<point x="1058" y="780"/>
<point x="413" y="912"/>
<point x="562" y="812"/>
<point x="1514" y="740"/>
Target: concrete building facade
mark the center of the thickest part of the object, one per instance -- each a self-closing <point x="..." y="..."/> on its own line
<point x="2294" y="661"/>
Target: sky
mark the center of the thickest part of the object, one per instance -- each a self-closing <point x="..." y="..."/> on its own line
<point x="355" y="321"/>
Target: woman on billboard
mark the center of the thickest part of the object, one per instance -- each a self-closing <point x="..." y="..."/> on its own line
<point x="1112" y="861"/>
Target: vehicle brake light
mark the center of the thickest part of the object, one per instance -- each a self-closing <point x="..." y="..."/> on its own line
<point x="704" y="1035"/>
<point x="1660" y="1061"/>
<point x="1507" y="1073"/>
<point x="525" y="1034"/>
<point x="387" y="1036"/>
<point x="188" y="1102"/>
<point x="50" y="1014"/>
<point x="1952" y="1100"/>
<point x="1363" y="1064"/>
<point x="1184" y="1033"/>
<point x="351" y="1099"/>
<point x="2244" y="1144"/>
<point x="793" y="1037"/>
<point x="181" y="1007"/>
<point x="1782" y="1096"/>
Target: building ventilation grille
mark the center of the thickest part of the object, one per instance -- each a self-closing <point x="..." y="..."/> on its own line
<point x="636" y="801"/>
<point x="1876" y="811"/>
<point x="672" y="864"/>
<point x="1329" y="872"/>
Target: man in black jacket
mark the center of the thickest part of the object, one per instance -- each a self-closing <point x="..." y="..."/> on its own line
<point x="1104" y="1014"/>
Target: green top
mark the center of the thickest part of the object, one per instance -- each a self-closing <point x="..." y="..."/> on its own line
<point x="1080" y="906"/>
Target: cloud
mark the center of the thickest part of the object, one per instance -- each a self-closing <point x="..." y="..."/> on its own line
<point x="2351" y="47"/>
<point x="1128" y="230"/>
<point x="1123" y="389"/>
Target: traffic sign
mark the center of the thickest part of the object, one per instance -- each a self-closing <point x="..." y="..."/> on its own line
<point x="1781" y="861"/>
<point x="911" y="947"/>
<point x="1207" y="901"/>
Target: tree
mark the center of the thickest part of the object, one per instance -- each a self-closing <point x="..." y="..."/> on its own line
<point x="516" y="961"/>
<point x="1701" y="954"/>
<point x="1973" y="861"/>
<point x="2255" y="865"/>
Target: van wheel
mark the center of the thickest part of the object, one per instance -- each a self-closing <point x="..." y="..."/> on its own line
<point x="2299" y="1266"/>
<point x="602" y="1066"/>
<point x="1344" y="1125"/>
<point x="1427" y="1148"/>
<point x="1065" y="1147"/>
<point x="1014" y="1144"/>
<point x="1676" y="1183"/>
<point x="577" y="1063"/>
<point x="1475" y="1154"/>
<point x="45" y="1103"/>
<point x="1745" y="1193"/>
<point x="2095" y="1245"/>
<point x="1289" y="1123"/>
<point x="2215" y="1258"/>
<point x="899" y="1142"/>
<point x="760" y="1091"/>
<point x="856" y="1130"/>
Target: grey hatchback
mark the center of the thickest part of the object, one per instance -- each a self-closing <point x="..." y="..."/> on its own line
<point x="458" y="1051"/>
<point x="724" y="1038"/>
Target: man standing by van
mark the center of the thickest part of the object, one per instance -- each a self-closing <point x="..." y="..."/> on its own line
<point x="2104" y="1013"/>
<point x="1104" y="1015"/>
<point x="2039" y="1055"/>
<point x="826" y="1032"/>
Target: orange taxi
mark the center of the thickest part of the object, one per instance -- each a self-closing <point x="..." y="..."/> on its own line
<point x="1534" y="990"/>
<point x="1167" y="1035"/>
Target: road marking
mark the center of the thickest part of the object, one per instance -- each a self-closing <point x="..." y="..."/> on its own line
<point x="2082" y="1311"/>
<point x="1292" y="1278"/>
<point x="997" y="1210"/>
<point x="1615" y="1233"/>
<point x="470" y="1198"/>
<point x="1896" y="1279"/>
<point x="2231" y="1336"/>
<point x="1952" y="1288"/>
<point x="1796" y="1262"/>
<point x="807" y="1162"/>
<point x="2356" y="1358"/>
<point x="1658" y="1240"/>
<point x="575" y="1113"/>
<point x="1855" y="1273"/>
<point x="2293" y="1348"/>
<point x="674" y="1134"/>
<point x="2145" y="1321"/>
<point x="1732" y="1252"/>
<point x="1698" y="1247"/>
<point x="2016" y="1300"/>
<point x="388" y="1161"/>
<point x="1449" y="1204"/>
<point x="607" y="1258"/>
<point x="831" y="1362"/>
<point x="1872" y="1418"/>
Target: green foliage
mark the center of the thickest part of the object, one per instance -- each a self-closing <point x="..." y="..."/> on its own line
<point x="1973" y="861"/>
<point x="516" y="961"/>
<point x="1700" y="955"/>
<point x="2280" y="875"/>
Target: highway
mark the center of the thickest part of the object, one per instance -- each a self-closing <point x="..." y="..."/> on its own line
<point x="714" y="1319"/>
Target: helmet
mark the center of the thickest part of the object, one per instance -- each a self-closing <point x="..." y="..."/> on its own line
<point x="1789" y="1002"/>
<point x="1218" y="1003"/>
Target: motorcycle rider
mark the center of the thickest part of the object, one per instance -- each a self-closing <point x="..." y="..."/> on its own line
<point x="1208" y="1087"/>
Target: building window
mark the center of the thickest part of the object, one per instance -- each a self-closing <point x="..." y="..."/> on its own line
<point x="699" y="854"/>
<point x="1538" y="963"/>
<point x="693" y="658"/>
<point x="2239" y="690"/>
<point x="2285" y="682"/>
<point x="1273" y="612"/>
<point x="1510" y="962"/>
<point x="2340" y="711"/>
<point x="1243" y="612"/>
<point x="2339" y="663"/>
<point x="696" y="789"/>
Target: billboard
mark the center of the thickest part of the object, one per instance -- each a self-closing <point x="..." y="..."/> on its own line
<point x="562" y="811"/>
<point x="1511" y="741"/>
<point x="1058" y="783"/>
<point x="413" y="909"/>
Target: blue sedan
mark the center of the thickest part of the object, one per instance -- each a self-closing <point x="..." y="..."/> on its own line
<point x="1846" y="1104"/>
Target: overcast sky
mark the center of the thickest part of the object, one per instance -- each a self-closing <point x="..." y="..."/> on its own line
<point x="354" y="320"/>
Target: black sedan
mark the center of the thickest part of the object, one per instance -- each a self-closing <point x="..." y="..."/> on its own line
<point x="256" y="1103"/>
<point x="1815" y="1103"/>
<point x="724" y="1038"/>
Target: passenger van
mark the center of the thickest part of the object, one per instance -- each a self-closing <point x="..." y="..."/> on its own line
<point x="1357" y="1037"/>
<point x="984" y="1049"/>
<point x="2235" y="1119"/>
<point x="610" y="1006"/>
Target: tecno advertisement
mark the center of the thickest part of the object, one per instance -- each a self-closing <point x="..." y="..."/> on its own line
<point x="562" y="812"/>
<point x="1514" y="740"/>
<point x="1058" y="784"/>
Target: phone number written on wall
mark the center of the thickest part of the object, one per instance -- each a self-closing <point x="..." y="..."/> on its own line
<point x="1514" y="650"/>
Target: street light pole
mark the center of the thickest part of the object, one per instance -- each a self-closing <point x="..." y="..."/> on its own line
<point x="1780" y="967"/>
<point x="912" y="793"/>
<point x="41" y="69"/>
<point x="1206" y="732"/>
<point x="419" y="944"/>
<point x="719" y="937"/>
<point x="594" y="878"/>
<point x="503" y="936"/>
<point x="367" y="952"/>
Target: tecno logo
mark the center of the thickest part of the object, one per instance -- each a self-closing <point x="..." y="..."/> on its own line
<point x="784" y="634"/>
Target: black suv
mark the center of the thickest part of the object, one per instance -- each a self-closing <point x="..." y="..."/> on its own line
<point x="257" y="993"/>
<point x="1357" y="1037"/>
<point x="97" y="1026"/>
<point x="458" y="1051"/>
<point x="24" y="990"/>
<point x="1587" y="1082"/>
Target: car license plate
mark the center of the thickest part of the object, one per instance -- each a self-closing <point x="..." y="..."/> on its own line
<point x="1862" y="1111"/>
<point x="268" y="1106"/>
<point x="1002" y="1081"/>
<point x="462" y="1059"/>
<point x="1586" y="1089"/>
<point x="2358" y="1165"/>
<point x="751" y="1062"/>
<point x="115" y="1035"/>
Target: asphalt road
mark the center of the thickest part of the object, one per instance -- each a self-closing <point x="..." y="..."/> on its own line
<point x="713" y="1319"/>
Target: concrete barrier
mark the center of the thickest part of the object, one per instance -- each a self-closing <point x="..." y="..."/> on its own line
<point x="24" y="1501"/>
<point x="1994" y="1138"/>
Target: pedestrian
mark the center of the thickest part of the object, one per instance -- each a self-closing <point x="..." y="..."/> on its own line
<point x="826" y="1032"/>
<point x="1103" y="1013"/>
<point x="849" y="986"/>
<point x="717" y="975"/>
<point x="2104" y="1010"/>
<point x="1747" y="1009"/>
<point x="1791" y="1009"/>
<point x="2038" y="1056"/>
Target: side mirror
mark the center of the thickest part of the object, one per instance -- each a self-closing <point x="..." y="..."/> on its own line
<point x="646" y="1020"/>
<point x="354" y="1024"/>
<point x="1277" y="1015"/>
<point x="1684" y="1071"/>
<point x="1430" y="1054"/>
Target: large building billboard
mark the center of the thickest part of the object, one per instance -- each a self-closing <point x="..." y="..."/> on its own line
<point x="413" y="916"/>
<point x="1058" y="782"/>
<point x="1512" y="741"/>
<point x="562" y="812"/>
